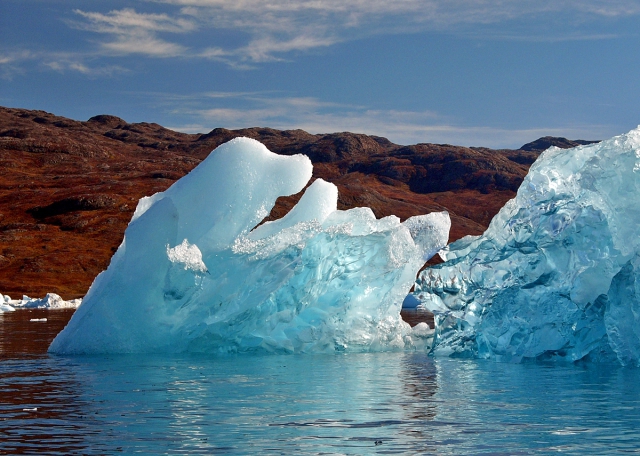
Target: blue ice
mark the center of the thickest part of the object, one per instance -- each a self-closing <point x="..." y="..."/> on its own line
<point x="195" y="272"/>
<point x="556" y="274"/>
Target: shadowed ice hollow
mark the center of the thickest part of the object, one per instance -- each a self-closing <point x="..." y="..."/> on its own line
<point x="192" y="276"/>
<point x="556" y="274"/>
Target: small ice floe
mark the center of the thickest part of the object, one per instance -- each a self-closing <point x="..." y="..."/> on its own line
<point x="34" y="409"/>
<point x="5" y="304"/>
<point x="38" y="319"/>
<point x="4" y="307"/>
<point x="50" y="301"/>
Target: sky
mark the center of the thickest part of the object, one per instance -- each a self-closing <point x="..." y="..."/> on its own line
<point x="487" y="73"/>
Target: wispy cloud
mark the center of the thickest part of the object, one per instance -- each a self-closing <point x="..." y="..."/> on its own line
<point x="136" y="33"/>
<point x="144" y="44"/>
<point x="15" y="56"/>
<point x="63" y="65"/>
<point x="208" y="111"/>
<point x="126" y="20"/>
<point x="289" y="15"/>
<point x="610" y="8"/>
<point x="12" y="63"/>
<point x="274" y="29"/>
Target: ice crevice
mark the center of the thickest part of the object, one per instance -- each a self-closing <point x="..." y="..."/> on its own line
<point x="195" y="272"/>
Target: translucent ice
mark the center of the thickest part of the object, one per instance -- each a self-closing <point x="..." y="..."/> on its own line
<point x="195" y="274"/>
<point x="556" y="273"/>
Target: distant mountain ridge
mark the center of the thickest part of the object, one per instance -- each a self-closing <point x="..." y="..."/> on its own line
<point x="544" y="143"/>
<point x="70" y="187"/>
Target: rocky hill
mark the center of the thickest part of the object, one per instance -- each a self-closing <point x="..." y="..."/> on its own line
<point x="68" y="188"/>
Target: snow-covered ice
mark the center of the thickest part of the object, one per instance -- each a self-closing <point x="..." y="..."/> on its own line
<point x="192" y="273"/>
<point x="556" y="274"/>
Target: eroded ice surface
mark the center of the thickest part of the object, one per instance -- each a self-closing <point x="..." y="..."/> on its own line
<point x="190" y="274"/>
<point x="556" y="272"/>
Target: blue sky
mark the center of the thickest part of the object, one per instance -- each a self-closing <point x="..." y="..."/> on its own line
<point x="469" y="72"/>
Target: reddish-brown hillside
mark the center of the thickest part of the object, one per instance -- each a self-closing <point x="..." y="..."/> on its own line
<point x="69" y="188"/>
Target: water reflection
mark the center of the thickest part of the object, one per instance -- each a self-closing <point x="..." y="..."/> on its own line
<point x="42" y="409"/>
<point x="22" y="338"/>
<point x="40" y="403"/>
<point x="388" y="403"/>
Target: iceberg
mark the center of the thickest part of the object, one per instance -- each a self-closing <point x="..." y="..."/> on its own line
<point x="556" y="274"/>
<point x="197" y="272"/>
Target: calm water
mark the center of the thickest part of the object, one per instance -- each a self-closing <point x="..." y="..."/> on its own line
<point x="393" y="403"/>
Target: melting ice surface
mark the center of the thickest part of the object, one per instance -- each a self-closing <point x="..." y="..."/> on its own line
<point x="192" y="276"/>
<point x="557" y="273"/>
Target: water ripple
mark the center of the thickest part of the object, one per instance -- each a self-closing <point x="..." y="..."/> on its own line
<point x="322" y="404"/>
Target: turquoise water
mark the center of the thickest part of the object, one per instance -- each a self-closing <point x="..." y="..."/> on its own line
<point x="388" y="403"/>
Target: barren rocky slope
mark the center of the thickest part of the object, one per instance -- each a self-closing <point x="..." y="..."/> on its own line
<point x="69" y="188"/>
